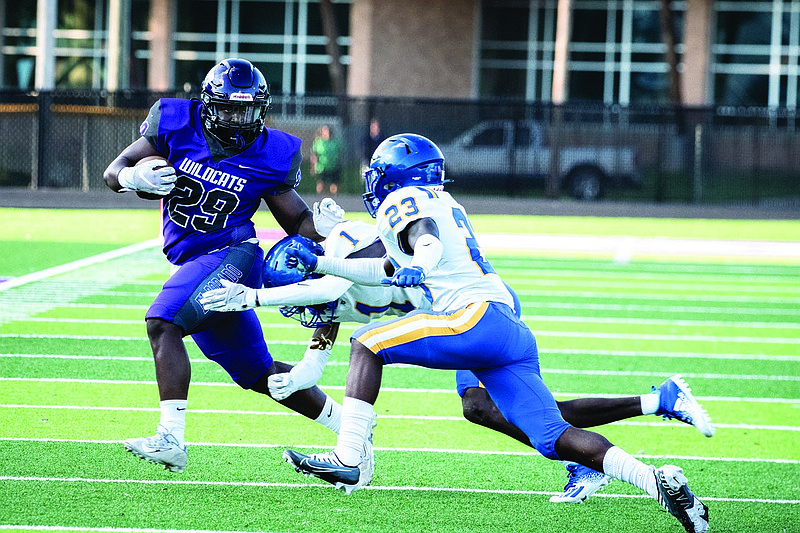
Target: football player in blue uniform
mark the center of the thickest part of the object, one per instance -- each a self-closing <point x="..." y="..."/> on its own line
<point x="430" y="244"/>
<point x="217" y="163"/>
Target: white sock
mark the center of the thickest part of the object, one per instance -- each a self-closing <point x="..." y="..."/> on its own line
<point x="650" y="402"/>
<point x="357" y="416"/>
<point x="619" y="464"/>
<point x="331" y="415"/>
<point x="173" y="418"/>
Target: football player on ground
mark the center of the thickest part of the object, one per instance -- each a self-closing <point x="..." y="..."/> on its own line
<point x="325" y="302"/>
<point x="430" y="244"/>
<point x="223" y="163"/>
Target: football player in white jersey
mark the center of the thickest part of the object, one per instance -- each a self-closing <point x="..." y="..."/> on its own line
<point x="325" y="302"/>
<point x="320" y="302"/>
<point x="472" y="326"/>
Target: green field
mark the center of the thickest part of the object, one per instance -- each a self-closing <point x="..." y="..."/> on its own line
<point x="77" y="377"/>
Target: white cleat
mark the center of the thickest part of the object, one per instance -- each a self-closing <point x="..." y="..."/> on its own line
<point x="367" y="466"/>
<point x="676" y="497"/>
<point x="162" y="449"/>
<point x="327" y="467"/>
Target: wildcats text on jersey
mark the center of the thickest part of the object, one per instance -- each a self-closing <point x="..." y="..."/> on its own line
<point x="212" y="175"/>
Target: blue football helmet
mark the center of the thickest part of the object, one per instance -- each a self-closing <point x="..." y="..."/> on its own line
<point x="235" y="100"/>
<point x="277" y="274"/>
<point x="400" y="161"/>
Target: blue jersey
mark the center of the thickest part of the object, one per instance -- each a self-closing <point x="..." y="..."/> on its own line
<point x="216" y="195"/>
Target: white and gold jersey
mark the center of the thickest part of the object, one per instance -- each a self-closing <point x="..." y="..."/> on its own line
<point x="463" y="275"/>
<point x="362" y="303"/>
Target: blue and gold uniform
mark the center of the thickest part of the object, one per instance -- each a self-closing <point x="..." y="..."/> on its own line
<point x="472" y="324"/>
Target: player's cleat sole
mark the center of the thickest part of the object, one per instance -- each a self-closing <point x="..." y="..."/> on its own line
<point x="327" y="467"/>
<point x="161" y="449"/>
<point x="367" y="466"/>
<point x="582" y="483"/>
<point x="678" y="402"/>
<point x="676" y="497"/>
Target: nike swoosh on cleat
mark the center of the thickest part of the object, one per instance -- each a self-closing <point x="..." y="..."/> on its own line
<point x="321" y="469"/>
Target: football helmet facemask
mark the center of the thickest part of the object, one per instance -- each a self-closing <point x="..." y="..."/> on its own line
<point x="277" y="274"/>
<point x="400" y="161"/>
<point x="235" y="101"/>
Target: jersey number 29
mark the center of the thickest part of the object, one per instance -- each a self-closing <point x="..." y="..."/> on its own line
<point x="215" y="205"/>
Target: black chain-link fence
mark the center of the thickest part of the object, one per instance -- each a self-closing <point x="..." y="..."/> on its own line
<point x="65" y="139"/>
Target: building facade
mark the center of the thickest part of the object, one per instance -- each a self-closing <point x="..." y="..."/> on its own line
<point x="729" y="53"/>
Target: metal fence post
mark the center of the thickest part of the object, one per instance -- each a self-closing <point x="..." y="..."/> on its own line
<point x="45" y="98"/>
<point x="698" y="163"/>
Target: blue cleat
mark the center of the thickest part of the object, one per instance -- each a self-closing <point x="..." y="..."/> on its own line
<point x="582" y="482"/>
<point x="676" y="401"/>
<point x="327" y="467"/>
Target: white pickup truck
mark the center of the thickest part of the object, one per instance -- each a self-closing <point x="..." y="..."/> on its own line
<point x="514" y="154"/>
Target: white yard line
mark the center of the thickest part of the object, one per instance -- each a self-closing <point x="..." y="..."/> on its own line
<point x="545" y="370"/>
<point x="539" y="333"/>
<point x="80" y="263"/>
<point x="370" y="487"/>
<point x="547" y="352"/>
<point x="12" y="527"/>
<point x="392" y="389"/>
<point x="412" y="450"/>
<point x="531" y="318"/>
<point x="383" y="416"/>
<point x="623" y="248"/>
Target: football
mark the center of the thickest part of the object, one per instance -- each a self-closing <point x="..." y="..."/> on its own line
<point x="147" y="195"/>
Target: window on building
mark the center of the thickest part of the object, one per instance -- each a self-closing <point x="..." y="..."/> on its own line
<point x="755" y="53"/>
<point x="284" y="38"/>
<point x="615" y="55"/>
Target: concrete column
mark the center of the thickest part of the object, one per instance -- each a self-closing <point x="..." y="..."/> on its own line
<point x="561" y="55"/>
<point x="2" y="41"/>
<point x="119" y="45"/>
<point x="46" y="21"/>
<point x="161" y="68"/>
<point x="697" y="36"/>
<point x="413" y="48"/>
<point x="361" y="48"/>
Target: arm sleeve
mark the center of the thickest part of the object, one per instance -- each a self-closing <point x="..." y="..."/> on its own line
<point x="427" y="252"/>
<point x="292" y="177"/>
<point x="363" y="271"/>
<point x="309" y="292"/>
<point x="149" y="128"/>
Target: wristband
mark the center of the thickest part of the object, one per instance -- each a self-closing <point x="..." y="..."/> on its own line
<point x="124" y="179"/>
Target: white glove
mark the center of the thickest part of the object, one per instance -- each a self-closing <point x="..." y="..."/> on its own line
<point x="147" y="178"/>
<point x="303" y="376"/>
<point x="231" y="297"/>
<point x="327" y="214"/>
